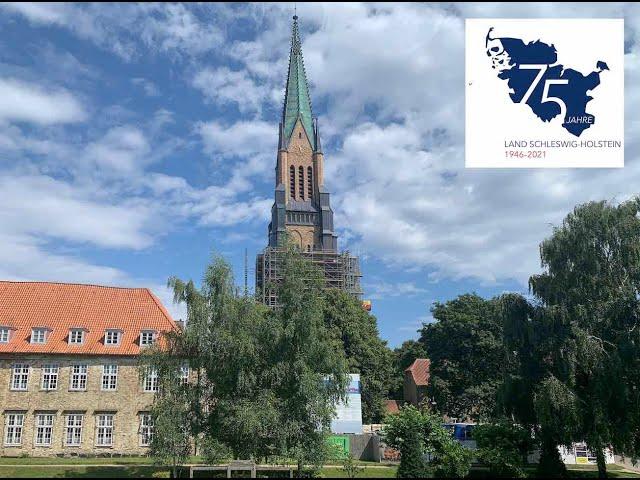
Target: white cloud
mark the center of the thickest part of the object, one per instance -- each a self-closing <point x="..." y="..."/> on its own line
<point x="378" y="289"/>
<point x="25" y="102"/>
<point x="25" y="258"/>
<point x="129" y="29"/>
<point x="122" y="149"/>
<point x="243" y="138"/>
<point x="38" y="12"/>
<point x="46" y="208"/>
<point x="224" y="86"/>
<point x="150" y="89"/>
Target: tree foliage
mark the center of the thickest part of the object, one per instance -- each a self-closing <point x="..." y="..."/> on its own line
<point x="504" y="448"/>
<point x="464" y="345"/>
<point x="171" y="441"/>
<point x="366" y="353"/>
<point x="267" y="380"/>
<point x="592" y="278"/>
<point x="403" y="357"/>
<point x="419" y="435"/>
<point x="572" y="353"/>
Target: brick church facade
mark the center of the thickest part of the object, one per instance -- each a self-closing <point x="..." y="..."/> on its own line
<point x="302" y="209"/>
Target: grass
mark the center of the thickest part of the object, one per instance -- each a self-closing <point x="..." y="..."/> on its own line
<point x="76" y="461"/>
<point x="131" y="467"/>
<point x="591" y="471"/>
<point x="78" y="471"/>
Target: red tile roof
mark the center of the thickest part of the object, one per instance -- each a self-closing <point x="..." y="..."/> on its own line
<point x="419" y="370"/>
<point x="391" y="406"/>
<point x="62" y="306"/>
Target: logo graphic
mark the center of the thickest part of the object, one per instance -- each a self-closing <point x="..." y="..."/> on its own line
<point x="544" y="93"/>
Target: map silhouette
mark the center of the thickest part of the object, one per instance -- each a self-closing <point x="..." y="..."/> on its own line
<point x="532" y="69"/>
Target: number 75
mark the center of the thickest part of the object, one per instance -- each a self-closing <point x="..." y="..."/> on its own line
<point x="545" y="91"/>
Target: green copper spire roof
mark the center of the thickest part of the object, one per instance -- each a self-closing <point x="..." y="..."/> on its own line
<point x="297" y="102"/>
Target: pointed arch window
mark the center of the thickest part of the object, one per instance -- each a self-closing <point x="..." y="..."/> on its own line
<point x="292" y="181"/>
<point x="309" y="183"/>
<point x="301" y="181"/>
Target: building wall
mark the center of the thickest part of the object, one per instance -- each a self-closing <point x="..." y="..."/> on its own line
<point x="126" y="402"/>
<point x="410" y="390"/>
<point x="304" y="236"/>
<point x="412" y="393"/>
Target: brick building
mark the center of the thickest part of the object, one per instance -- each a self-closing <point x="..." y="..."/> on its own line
<point x="416" y="380"/>
<point x="301" y="209"/>
<point x="69" y="376"/>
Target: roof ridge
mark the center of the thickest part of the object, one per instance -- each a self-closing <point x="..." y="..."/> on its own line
<point x="162" y="308"/>
<point x="77" y="284"/>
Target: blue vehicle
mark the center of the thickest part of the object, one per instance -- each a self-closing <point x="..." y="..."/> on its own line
<point x="462" y="432"/>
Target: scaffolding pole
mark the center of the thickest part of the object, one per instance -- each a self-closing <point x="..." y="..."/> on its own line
<point x="341" y="271"/>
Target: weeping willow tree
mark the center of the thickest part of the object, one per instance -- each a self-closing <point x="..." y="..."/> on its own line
<point x="575" y="351"/>
<point x="592" y="275"/>
<point x="265" y="382"/>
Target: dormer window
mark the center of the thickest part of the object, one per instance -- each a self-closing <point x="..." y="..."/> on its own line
<point x="39" y="335"/>
<point x="5" y="334"/>
<point x="147" y="337"/>
<point x="76" y="336"/>
<point x="112" y="337"/>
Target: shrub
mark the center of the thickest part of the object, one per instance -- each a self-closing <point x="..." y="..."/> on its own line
<point x="503" y="447"/>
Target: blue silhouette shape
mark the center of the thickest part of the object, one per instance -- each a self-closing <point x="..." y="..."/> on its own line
<point x="510" y="57"/>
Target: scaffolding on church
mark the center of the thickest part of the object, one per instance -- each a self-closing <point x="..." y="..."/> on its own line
<point x="341" y="271"/>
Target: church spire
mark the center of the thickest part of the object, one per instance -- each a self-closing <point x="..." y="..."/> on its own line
<point x="297" y="102"/>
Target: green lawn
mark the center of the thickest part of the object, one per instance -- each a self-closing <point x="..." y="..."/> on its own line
<point x="80" y="461"/>
<point x="83" y="472"/>
<point x="591" y="471"/>
<point x="371" y="472"/>
<point x="132" y="467"/>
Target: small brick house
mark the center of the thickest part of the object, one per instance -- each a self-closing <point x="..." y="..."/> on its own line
<point x="416" y="379"/>
<point x="70" y="382"/>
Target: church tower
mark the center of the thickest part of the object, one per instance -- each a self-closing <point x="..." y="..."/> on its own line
<point x="301" y="210"/>
<point x="301" y="207"/>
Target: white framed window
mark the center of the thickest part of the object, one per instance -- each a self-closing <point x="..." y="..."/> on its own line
<point x="13" y="425"/>
<point x="49" y="377"/>
<point x="78" y="377"/>
<point x="20" y="376"/>
<point x="112" y="337"/>
<point x="109" y="377"/>
<point x="76" y="336"/>
<point x="39" y="335"/>
<point x="73" y="429"/>
<point x="151" y="380"/>
<point x="146" y="429"/>
<point x="104" y="430"/>
<point x="184" y="373"/>
<point x="5" y="334"/>
<point x="44" y="429"/>
<point x="147" y="337"/>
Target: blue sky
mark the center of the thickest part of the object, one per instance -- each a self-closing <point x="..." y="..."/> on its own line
<point x="136" y="139"/>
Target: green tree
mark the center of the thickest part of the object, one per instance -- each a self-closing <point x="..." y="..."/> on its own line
<point x="171" y="440"/>
<point x="350" y="467"/>
<point x="465" y="348"/>
<point x="418" y="435"/>
<point x="267" y="380"/>
<point x="403" y="357"/>
<point x="366" y="353"/>
<point x="592" y="277"/>
<point x="404" y="431"/>
<point x="504" y="448"/>
<point x="309" y="374"/>
<point x="538" y="358"/>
